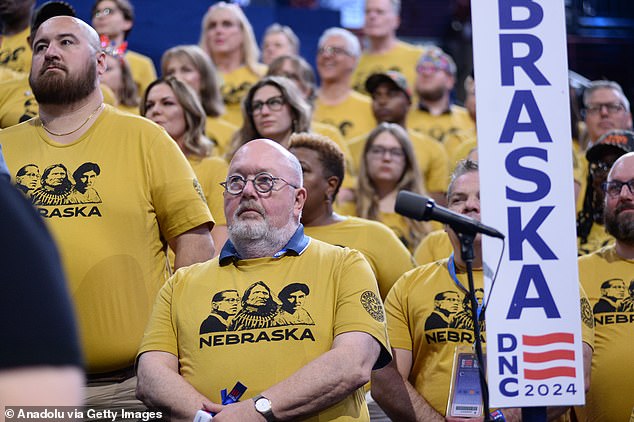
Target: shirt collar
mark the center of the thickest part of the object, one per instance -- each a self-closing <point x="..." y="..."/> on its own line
<point x="423" y="107"/>
<point x="296" y="245"/>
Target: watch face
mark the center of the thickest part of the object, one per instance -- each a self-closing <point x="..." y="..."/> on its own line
<point x="263" y="405"/>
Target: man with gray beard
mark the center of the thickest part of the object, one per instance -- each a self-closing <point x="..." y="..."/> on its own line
<point x="113" y="250"/>
<point x="602" y="273"/>
<point x="296" y="371"/>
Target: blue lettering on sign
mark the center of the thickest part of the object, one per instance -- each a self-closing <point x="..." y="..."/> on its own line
<point x="505" y="390"/>
<point x="524" y="99"/>
<point x="507" y="343"/>
<point x="517" y="234"/>
<point x="535" y="14"/>
<point x="515" y="169"/>
<point x="544" y="300"/>
<point x="526" y="63"/>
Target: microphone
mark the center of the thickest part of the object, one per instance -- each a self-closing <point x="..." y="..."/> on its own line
<point x="419" y="208"/>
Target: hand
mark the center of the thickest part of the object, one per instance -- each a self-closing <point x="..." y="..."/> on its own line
<point x="238" y="412"/>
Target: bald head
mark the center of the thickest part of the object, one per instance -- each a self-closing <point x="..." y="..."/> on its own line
<point x="281" y="162"/>
<point x="76" y="26"/>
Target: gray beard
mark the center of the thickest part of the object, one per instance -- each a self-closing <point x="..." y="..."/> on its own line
<point x="259" y="240"/>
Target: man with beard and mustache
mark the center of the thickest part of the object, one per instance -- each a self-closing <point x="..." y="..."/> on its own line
<point x="612" y="372"/>
<point x="421" y="370"/>
<point x="148" y="199"/>
<point x="310" y="372"/>
<point x="434" y="114"/>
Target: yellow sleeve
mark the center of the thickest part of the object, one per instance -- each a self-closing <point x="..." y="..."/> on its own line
<point x="359" y="306"/>
<point x="160" y="334"/>
<point x="397" y="315"/>
<point x="176" y="194"/>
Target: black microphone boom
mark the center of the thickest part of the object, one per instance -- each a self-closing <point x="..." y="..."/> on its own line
<point x="420" y="208"/>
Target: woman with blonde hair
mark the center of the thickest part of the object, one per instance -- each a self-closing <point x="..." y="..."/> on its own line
<point x="172" y="104"/>
<point x="227" y="38"/>
<point x="389" y="166"/>
<point x="274" y="108"/>
<point x="192" y="65"/>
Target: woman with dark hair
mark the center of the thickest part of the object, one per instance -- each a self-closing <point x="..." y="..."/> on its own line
<point x="273" y="109"/>
<point x="172" y="104"/>
<point x="190" y="64"/>
<point x="389" y="166"/>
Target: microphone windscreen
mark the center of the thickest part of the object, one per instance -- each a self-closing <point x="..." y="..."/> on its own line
<point x="411" y="205"/>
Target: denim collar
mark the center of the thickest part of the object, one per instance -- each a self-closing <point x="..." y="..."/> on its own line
<point x="296" y="245"/>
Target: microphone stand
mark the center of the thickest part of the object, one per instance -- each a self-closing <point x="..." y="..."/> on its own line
<point x="529" y="414"/>
<point x="466" y="252"/>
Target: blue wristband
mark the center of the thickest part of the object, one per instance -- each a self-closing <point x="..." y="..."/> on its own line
<point x="498" y="416"/>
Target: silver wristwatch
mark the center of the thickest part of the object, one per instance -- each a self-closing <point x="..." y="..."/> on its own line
<point x="263" y="407"/>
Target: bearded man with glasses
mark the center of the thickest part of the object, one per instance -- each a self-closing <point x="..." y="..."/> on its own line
<point x="293" y="368"/>
<point x="608" y="272"/>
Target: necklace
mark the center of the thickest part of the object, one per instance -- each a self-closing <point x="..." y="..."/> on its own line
<point x="75" y="130"/>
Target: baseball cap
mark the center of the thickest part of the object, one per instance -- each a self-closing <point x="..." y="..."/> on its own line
<point x="619" y="141"/>
<point x="437" y="58"/>
<point x="396" y="78"/>
<point x="48" y="10"/>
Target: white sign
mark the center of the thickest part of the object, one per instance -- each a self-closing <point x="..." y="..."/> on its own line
<point x="533" y="322"/>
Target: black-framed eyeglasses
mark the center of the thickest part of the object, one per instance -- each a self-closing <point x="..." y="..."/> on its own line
<point x="611" y="108"/>
<point x="262" y="182"/>
<point x="331" y="50"/>
<point x="273" y="103"/>
<point x="379" y="151"/>
<point x="614" y="187"/>
<point x="104" y="12"/>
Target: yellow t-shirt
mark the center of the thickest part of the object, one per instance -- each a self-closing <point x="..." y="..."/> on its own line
<point x="142" y="69"/>
<point x="611" y="395"/>
<point x="7" y="74"/>
<point x="430" y="154"/>
<point x="439" y="127"/>
<point x="435" y="246"/>
<point x="15" y="51"/>
<point x="234" y="88"/>
<point x="219" y="131"/>
<point x="18" y="104"/>
<point x="353" y="116"/>
<point x="402" y="57"/>
<point x="597" y="239"/>
<point x="210" y="172"/>
<point x="432" y="331"/>
<point x="263" y="344"/>
<point x="111" y="232"/>
<point x="385" y="253"/>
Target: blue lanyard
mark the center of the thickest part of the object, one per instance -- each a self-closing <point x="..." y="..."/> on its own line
<point x="451" y="266"/>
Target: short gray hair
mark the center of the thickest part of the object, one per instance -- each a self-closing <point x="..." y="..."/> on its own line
<point x="463" y="167"/>
<point x="605" y="84"/>
<point x="276" y="28"/>
<point x="352" y="42"/>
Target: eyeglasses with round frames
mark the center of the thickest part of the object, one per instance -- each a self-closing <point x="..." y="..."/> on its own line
<point x="331" y="50"/>
<point x="262" y="182"/>
<point x="614" y="188"/>
<point x="611" y="108"/>
<point x="104" y="12"/>
<point x="273" y="103"/>
<point x="377" y="151"/>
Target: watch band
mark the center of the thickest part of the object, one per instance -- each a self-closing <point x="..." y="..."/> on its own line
<point x="266" y="410"/>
